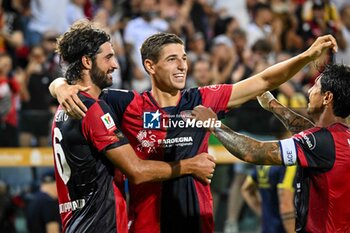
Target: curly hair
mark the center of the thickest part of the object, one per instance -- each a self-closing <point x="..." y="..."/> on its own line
<point x="82" y="39"/>
<point x="336" y="79"/>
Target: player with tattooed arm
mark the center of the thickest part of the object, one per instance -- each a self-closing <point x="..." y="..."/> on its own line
<point x="322" y="152"/>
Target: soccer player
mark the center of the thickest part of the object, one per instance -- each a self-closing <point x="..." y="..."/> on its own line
<point x="156" y="124"/>
<point x="88" y="152"/>
<point x="269" y="191"/>
<point x="321" y="152"/>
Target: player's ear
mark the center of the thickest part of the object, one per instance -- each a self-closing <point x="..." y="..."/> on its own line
<point x="328" y="97"/>
<point x="149" y="66"/>
<point x="86" y="61"/>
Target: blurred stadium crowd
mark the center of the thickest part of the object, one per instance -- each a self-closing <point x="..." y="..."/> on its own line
<point x="226" y="41"/>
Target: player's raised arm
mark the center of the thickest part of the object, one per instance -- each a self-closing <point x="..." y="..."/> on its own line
<point x="67" y="96"/>
<point x="293" y="121"/>
<point x="279" y="73"/>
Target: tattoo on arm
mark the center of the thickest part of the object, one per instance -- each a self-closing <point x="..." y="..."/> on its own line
<point x="288" y="216"/>
<point x="249" y="149"/>
<point x="293" y="121"/>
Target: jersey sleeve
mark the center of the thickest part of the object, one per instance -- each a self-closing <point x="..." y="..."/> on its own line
<point x="313" y="148"/>
<point x="216" y="97"/>
<point x="100" y="129"/>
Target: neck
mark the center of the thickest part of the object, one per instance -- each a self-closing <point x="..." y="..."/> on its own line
<point x="165" y="99"/>
<point x="327" y="118"/>
<point x="94" y="90"/>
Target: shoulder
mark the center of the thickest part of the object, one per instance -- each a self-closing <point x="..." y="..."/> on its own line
<point x="338" y="127"/>
<point x="93" y="105"/>
<point x="316" y="148"/>
<point x="117" y="95"/>
<point x="310" y="136"/>
<point x="87" y="100"/>
<point x="216" y="89"/>
<point x="117" y="92"/>
<point x="190" y="91"/>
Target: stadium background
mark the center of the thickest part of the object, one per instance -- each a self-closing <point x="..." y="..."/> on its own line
<point x="226" y="41"/>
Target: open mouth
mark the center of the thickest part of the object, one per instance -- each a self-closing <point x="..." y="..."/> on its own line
<point x="179" y="77"/>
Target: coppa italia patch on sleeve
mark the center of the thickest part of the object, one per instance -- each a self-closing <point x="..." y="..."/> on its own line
<point x="107" y="120"/>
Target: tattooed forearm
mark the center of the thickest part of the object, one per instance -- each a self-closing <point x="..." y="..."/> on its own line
<point x="247" y="148"/>
<point x="293" y="121"/>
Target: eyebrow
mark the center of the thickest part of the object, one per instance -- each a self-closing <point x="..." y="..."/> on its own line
<point x="109" y="55"/>
<point x="175" y="55"/>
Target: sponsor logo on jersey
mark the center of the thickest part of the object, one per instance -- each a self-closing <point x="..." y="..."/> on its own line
<point x="151" y="120"/>
<point x="147" y="141"/>
<point x="72" y="205"/>
<point x="179" y="141"/>
<point x="155" y="120"/>
<point x="309" y="139"/>
<point x="107" y="121"/>
<point x="186" y="115"/>
<point x="191" y="123"/>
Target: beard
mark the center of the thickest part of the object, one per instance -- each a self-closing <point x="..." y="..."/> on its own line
<point x="315" y="111"/>
<point x="100" y="78"/>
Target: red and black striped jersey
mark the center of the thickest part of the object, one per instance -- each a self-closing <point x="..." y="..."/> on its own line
<point x="178" y="205"/>
<point x="88" y="196"/>
<point x="323" y="187"/>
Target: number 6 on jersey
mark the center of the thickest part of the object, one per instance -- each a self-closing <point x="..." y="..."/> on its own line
<point x="60" y="158"/>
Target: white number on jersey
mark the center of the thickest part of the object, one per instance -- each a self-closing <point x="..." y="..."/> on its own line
<point x="60" y="158"/>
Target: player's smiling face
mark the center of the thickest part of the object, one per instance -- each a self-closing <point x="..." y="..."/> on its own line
<point x="170" y="71"/>
<point x="103" y="66"/>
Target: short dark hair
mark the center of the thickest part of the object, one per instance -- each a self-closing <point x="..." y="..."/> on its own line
<point x="336" y="79"/>
<point x="82" y="39"/>
<point x="152" y="46"/>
